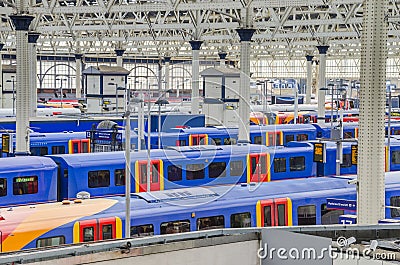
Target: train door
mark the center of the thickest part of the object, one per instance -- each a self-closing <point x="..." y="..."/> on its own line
<point x="274" y="138"/>
<point x="274" y="212"/>
<point x="97" y="229"/>
<point x="79" y="146"/>
<point x="198" y="139"/>
<point x="258" y="168"/>
<point x="156" y="176"/>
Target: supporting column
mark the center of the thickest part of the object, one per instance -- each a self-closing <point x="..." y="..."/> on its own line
<point x="119" y="53"/>
<point x="244" y="90"/>
<point x="167" y="61"/>
<point x="32" y="39"/>
<point x="1" y="76"/>
<point x="321" y="83"/>
<point x="78" y="75"/>
<point x="23" y="102"/>
<point x="371" y="138"/>
<point x="309" y="79"/>
<point x="196" y="44"/>
<point x="222" y="56"/>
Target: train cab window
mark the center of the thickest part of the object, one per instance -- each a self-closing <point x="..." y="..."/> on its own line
<point x="50" y="241"/>
<point x="289" y="138"/>
<point x="257" y="140"/>
<point x="281" y="215"/>
<point x="142" y="230"/>
<point x="236" y="168"/>
<point x="395" y="201"/>
<point x="279" y="164"/>
<point x="175" y="227"/>
<point x="329" y="217"/>
<point x="267" y="216"/>
<point x="25" y="185"/>
<point x="88" y="234"/>
<point x="194" y="171"/>
<point x="107" y="232"/>
<point x="346" y="161"/>
<point x="213" y="222"/>
<point x="217" y="170"/>
<point x="229" y="141"/>
<point x="3" y="187"/>
<point x="58" y="149"/>
<point x="239" y="220"/>
<point x="39" y="151"/>
<point x="216" y="141"/>
<point x="174" y="172"/>
<point x="119" y="177"/>
<point x="348" y="135"/>
<point x="99" y="178"/>
<point x="297" y="163"/>
<point x="306" y="215"/>
<point x="395" y="157"/>
<point x="302" y="137"/>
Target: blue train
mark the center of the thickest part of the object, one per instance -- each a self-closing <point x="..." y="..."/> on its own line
<point x="282" y="203"/>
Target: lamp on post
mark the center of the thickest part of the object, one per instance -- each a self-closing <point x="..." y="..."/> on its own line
<point x="148" y="137"/>
<point x="13" y="92"/>
<point x="127" y="115"/>
<point x="159" y="102"/>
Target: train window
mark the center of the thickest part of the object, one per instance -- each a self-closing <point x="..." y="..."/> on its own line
<point x="142" y="230"/>
<point x="395" y="132"/>
<point x="88" y="234"/>
<point x="50" y="241"/>
<point x="263" y="164"/>
<point x="281" y="215"/>
<point x="175" y="227"/>
<point x="330" y="216"/>
<point x="25" y="185"/>
<point x="217" y="169"/>
<point x="99" y="178"/>
<point x="107" y="232"/>
<point x="3" y="187"/>
<point x="65" y="173"/>
<point x="239" y="220"/>
<point x="348" y="135"/>
<point x="253" y="161"/>
<point x="85" y="147"/>
<point x="194" y="171"/>
<point x="119" y="177"/>
<point x="346" y="161"/>
<point x="181" y="143"/>
<point x="213" y="222"/>
<point x="58" y="149"/>
<point x="302" y="137"/>
<point x="279" y="164"/>
<point x="143" y="173"/>
<point x="306" y="215"/>
<point x="216" y="141"/>
<point x="267" y="216"/>
<point x="289" y="138"/>
<point x="228" y="141"/>
<point x="297" y="163"/>
<point x="395" y="157"/>
<point x="39" y="151"/>
<point x="174" y="172"/>
<point x="257" y="140"/>
<point x="395" y="201"/>
<point x="155" y="173"/>
<point x="236" y="168"/>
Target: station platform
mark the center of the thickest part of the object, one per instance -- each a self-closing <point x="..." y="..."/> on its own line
<point x="338" y="245"/>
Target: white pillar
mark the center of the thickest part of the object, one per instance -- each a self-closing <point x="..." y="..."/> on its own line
<point x="309" y="79"/>
<point x="321" y="83"/>
<point x="195" y="75"/>
<point x="119" y="53"/>
<point x="32" y="39"/>
<point x="371" y="138"/>
<point x="222" y="56"/>
<point x="78" y="75"/>
<point x="167" y="61"/>
<point x="1" y="76"/>
<point x="244" y="90"/>
<point x="23" y="102"/>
